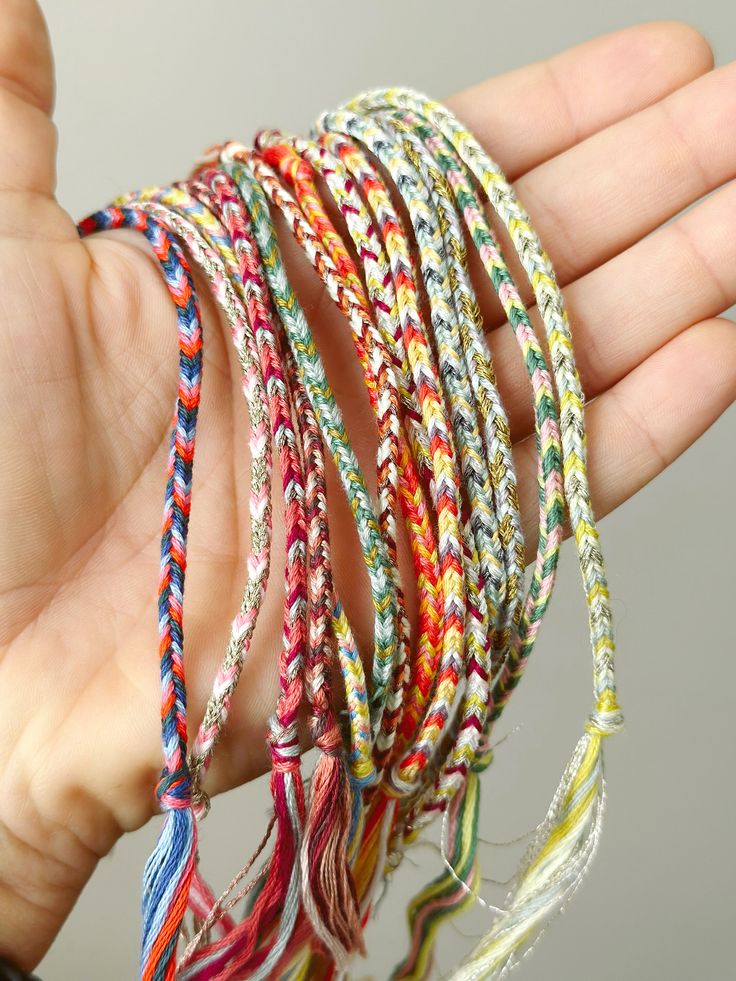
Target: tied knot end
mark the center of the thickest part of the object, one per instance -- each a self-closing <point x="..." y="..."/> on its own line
<point x="607" y="719"/>
<point x="174" y="789"/>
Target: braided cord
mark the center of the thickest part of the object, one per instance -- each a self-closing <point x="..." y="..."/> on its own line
<point x="472" y="456"/>
<point x="561" y="850"/>
<point x="552" y="309"/>
<point x="329" y="418"/>
<point x="546" y="422"/>
<point x="384" y="397"/>
<point x="431" y="580"/>
<point x="382" y="297"/>
<point x="209" y="243"/>
<point x="407" y="772"/>
<point x="169" y="870"/>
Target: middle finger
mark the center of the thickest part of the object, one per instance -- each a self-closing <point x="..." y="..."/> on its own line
<point x="598" y="198"/>
<point x="634" y="304"/>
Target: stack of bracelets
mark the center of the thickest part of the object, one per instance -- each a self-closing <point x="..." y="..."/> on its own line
<point x="407" y="745"/>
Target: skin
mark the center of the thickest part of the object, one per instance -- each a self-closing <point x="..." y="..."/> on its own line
<point x="605" y="143"/>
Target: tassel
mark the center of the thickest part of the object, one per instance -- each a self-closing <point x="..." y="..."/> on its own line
<point x="369" y="864"/>
<point x="558" y="858"/>
<point x="273" y="915"/>
<point x="202" y="900"/>
<point x="168" y="872"/>
<point x="279" y="900"/>
<point x="328" y="889"/>
<point x="166" y="879"/>
<point x="451" y="892"/>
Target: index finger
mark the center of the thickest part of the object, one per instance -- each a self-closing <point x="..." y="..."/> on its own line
<point x="529" y="115"/>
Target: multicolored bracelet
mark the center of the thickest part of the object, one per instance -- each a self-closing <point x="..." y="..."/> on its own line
<point x="383" y="199"/>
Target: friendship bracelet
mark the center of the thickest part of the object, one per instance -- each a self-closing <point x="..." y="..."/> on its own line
<point x="225" y="289"/>
<point x="434" y="412"/>
<point x="169" y="870"/>
<point x="409" y="188"/>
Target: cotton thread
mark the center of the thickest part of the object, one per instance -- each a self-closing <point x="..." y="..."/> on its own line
<point x="411" y="743"/>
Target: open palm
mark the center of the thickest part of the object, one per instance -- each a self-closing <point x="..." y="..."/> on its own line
<point x="605" y="143"/>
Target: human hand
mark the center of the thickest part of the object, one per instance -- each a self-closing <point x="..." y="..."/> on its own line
<point x="604" y="143"/>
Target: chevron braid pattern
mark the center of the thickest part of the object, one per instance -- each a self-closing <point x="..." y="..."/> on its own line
<point x="169" y="870"/>
<point x="383" y="299"/>
<point x="372" y="349"/>
<point x="473" y="460"/>
<point x="482" y="371"/>
<point x="384" y="199"/>
<point x="383" y="393"/>
<point x="444" y="484"/>
<point x="210" y="246"/>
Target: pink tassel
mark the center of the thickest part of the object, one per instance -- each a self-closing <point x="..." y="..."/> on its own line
<point x="328" y="888"/>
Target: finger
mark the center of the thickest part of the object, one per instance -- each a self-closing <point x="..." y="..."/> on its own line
<point x="606" y="193"/>
<point x="637" y="428"/>
<point x="529" y="115"/>
<point x="622" y="312"/>
<point x="27" y="134"/>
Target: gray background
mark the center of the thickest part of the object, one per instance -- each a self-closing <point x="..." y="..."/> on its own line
<point x="132" y="110"/>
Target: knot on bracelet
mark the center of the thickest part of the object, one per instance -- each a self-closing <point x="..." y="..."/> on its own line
<point x="607" y="719"/>
<point x="285" y="753"/>
<point x="395" y="786"/>
<point x="327" y="739"/>
<point x="483" y="755"/>
<point x="174" y="789"/>
<point x="200" y="802"/>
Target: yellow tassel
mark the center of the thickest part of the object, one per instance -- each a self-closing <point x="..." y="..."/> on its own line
<point x="558" y="857"/>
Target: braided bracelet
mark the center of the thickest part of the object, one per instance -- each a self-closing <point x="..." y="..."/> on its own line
<point x="409" y="188"/>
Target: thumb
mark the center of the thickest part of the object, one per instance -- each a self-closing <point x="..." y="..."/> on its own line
<point x="28" y="137"/>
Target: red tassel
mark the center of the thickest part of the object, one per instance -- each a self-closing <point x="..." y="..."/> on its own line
<point x="243" y="947"/>
<point x="269" y="907"/>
